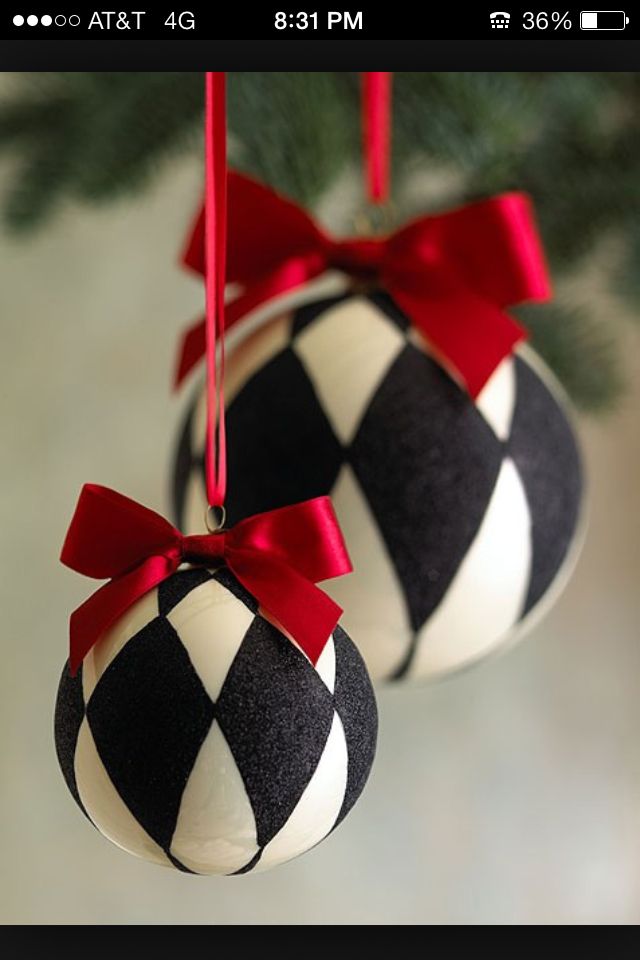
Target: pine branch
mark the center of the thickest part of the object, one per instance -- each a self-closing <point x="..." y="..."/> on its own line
<point x="572" y="140"/>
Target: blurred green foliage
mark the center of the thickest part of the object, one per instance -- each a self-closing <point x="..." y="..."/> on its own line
<point x="572" y="140"/>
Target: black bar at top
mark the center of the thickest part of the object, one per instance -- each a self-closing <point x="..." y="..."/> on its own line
<point x="394" y="36"/>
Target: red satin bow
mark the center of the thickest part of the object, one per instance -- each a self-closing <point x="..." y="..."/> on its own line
<point x="278" y="556"/>
<point x="453" y="275"/>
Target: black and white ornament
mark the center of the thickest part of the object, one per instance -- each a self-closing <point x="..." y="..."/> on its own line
<point x="197" y="735"/>
<point x="460" y="516"/>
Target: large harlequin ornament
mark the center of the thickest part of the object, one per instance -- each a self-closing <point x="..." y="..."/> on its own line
<point x="460" y="515"/>
<point x="197" y="735"/>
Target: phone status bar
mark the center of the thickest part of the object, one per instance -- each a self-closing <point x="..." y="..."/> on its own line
<point x="395" y="37"/>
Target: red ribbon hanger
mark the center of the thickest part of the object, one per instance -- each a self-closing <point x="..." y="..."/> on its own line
<point x="278" y="556"/>
<point x="453" y="275"/>
<point x="376" y="133"/>
<point x="215" y="242"/>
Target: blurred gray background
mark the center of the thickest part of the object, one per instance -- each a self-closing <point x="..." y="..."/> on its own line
<point x="509" y="794"/>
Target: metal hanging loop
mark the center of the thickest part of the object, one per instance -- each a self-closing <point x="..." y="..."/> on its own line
<point x="215" y="519"/>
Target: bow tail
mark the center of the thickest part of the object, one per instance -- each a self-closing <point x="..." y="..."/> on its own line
<point x="93" y="618"/>
<point x="302" y="608"/>
<point x="190" y="351"/>
<point x="470" y="334"/>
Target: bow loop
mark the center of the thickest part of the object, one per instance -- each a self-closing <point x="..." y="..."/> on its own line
<point x="264" y="230"/>
<point x="305" y="535"/>
<point x="110" y="533"/>
<point x="490" y="247"/>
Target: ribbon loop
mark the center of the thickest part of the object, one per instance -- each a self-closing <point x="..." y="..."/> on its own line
<point x="279" y="556"/>
<point x="122" y="534"/>
<point x="453" y="274"/>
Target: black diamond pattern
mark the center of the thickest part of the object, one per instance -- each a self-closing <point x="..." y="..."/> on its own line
<point x="149" y="715"/>
<point x="544" y="450"/>
<point x="177" y="587"/>
<point x="275" y="713"/>
<point x="439" y="455"/>
<point x="279" y="420"/>
<point x="356" y="706"/>
<point x="69" y="715"/>
<point x="226" y="579"/>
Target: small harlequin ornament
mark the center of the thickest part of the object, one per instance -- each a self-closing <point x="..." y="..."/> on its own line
<point x="221" y="721"/>
<point x="197" y="735"/>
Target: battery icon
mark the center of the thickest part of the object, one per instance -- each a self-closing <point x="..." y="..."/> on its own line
<point x="603" y="19"/>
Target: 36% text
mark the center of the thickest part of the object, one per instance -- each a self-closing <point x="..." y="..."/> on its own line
<point x="544" y="20"/>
